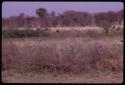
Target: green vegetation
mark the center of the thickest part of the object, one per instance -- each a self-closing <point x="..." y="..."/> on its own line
<point x="60" y="34"/>
<point x="22" y="33"/>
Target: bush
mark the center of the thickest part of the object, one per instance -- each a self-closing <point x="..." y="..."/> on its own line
<point x="105" y="25"/>
<point x="20" y="33"/>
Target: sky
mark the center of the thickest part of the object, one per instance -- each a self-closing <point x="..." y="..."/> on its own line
<point x="28" y="8"/>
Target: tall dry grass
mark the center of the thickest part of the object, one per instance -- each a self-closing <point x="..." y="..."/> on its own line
<point x="67" y="56"/>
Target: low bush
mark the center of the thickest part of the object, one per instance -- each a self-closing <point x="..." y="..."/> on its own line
<point x="23" y="33"/>
<point x="60" y="34"/>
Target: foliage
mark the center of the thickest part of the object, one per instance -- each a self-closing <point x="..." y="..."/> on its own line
<point x="67" y="18"/>
<point x="104" y="24"/>
<point x="41" y="12"/>
<point x="19" y="33"/>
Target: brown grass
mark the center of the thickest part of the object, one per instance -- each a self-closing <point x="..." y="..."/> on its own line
<point x="68" y="55"/>
<point x="15" y="77"/>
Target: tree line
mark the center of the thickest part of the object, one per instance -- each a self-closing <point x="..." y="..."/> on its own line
<point x="67" y="18"/>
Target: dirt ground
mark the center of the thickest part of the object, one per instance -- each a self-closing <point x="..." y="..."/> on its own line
<point x="14" y="77"/>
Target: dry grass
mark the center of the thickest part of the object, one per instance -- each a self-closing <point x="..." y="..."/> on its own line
<point x="75" y="55"/>
<point x="15" y="77"/>
<point x="76" y="28"/>
<point x="46" y="58"/>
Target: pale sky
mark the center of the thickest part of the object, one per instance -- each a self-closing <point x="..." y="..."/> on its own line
<point x="14" y="8"/>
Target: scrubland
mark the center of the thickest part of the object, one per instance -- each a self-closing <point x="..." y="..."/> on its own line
<point x="67" y="56"/>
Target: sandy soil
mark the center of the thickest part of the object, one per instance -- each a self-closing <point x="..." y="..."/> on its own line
<point x="14" y="77"/>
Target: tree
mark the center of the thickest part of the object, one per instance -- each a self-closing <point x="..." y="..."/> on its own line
<point x="21" y="20"/>
<point x="53" y="16"/>
<point x="105" y="24"/>
<point x="75" y="18"/>
<point x="41" y="12"/>
<point x="28" y="22"/>
<point x="102" y="21"/>
<point x="120" y="16"/>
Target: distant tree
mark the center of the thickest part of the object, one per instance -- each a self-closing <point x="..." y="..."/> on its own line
<point x="29" y="21"/>
<point x="101" y="21"/>
<point x="111" y="16"/>
<point x="75" y="18"/>
<point x="41" y="12"/>
<point x="105" y="24"/>
<point x="68" y="18"/>
<point x="21" y="20"/>
<point x="53" y="18"/>
<point x="120" y="16"/>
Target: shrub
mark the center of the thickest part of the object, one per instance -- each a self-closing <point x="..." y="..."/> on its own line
<point x="104" y="24"/>
<point x="19" y="33"/>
